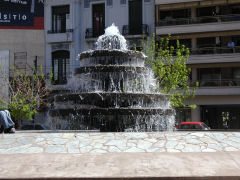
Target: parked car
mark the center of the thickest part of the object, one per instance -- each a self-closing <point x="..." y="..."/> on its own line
<point x="192" y="126"/>
<point x="33" y="127"/>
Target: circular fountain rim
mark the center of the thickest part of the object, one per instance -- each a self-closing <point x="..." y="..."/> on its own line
<point x="159" y="94"/>
<point x="110" y="68"/>
<point x="105" y="52"/>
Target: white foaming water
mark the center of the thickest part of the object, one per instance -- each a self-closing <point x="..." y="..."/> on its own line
<point x="111" y="39"/>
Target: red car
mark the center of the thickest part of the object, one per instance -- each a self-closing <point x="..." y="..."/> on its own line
<point x="192" y="126"/>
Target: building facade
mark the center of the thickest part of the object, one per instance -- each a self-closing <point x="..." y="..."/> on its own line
<point x="22" y="33"/>
<point x="21" y="39"/>
<point x="211" y="30"/>
<point x="73" y="27"/>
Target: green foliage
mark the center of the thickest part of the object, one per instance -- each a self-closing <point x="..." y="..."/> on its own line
<point x="170" y="69"/>
<point x="27" y="94"/>
<point x="134" y="47"/>
<point x="20" y="108"/>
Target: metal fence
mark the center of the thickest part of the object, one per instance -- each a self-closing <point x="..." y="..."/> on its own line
<point x="198" y="20"/>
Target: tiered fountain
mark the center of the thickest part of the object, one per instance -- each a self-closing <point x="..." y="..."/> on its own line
<point x="112" y="91"/>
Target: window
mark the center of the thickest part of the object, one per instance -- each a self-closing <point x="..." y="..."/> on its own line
<point x="209" y="76"/>
<point x="207" y="14"/>
<point x="222" y="116"/>
<point x="60" y="18"/>
<point x="229" y="9"/>
<point x="206" y="45"/>
<point x="183" y="114"/>
<point x="135" y="17"/>
<point x="60" y="66"/>
<point x="236" y="76"/>
<point x="206" y="42"/>
<point x="180" y="13"/>
<point x="219" y="76"/>
<point x="206" y="11"/>
<point x="185" y="126"/>
<point x="98" y="19"/>
<point x="196" y="126"/>
<point x="186" y="42"/>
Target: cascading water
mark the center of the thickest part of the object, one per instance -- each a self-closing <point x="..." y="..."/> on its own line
<point x="112" y="90"/>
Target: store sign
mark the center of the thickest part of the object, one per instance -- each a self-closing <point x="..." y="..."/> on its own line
<point x="16" y="19"/>
<point x="21" y="13"/>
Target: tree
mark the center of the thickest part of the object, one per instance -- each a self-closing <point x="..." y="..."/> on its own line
<point x="170" y="69"/>
<point x="27" y="94"/>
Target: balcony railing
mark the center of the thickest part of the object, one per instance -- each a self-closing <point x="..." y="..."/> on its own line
<point x="198" y="20"/>
<point x="215" y="50"/>
<point x="217" y="83"/>
<point x="91" y="33"/>
<point x="55" y="31"/>
<point x="135" y="30"/>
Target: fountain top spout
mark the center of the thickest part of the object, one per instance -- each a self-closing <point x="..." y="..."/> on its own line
<point x="111" y="39"/>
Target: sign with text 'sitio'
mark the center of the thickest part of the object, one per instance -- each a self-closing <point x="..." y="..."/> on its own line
<point x="21" y="14"/>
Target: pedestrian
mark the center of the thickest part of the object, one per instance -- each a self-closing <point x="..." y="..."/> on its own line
<point x="6" y="123"/>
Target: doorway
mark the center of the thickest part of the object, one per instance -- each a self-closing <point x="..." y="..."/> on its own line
<point x="98" y="19"/>
<point x="135" y="17"/>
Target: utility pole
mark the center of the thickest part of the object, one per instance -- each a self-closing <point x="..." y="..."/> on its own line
<point x="35" y="72"/>
<point x="35" y="64"/>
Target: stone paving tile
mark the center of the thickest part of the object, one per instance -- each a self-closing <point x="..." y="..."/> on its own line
<point x="73" y="147"/>
<point x="56" y="149"/>
<point x="30" y="143"/>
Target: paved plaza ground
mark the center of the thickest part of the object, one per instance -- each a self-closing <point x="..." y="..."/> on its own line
<point x="44" y="154"/>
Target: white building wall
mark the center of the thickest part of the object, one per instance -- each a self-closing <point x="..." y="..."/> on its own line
<point x="61" y="39"/>
<point x="26" y="41"/>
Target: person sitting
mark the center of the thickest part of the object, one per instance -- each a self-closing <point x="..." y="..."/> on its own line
<point x="6" y="123"/>
<point x="231" y="45"/>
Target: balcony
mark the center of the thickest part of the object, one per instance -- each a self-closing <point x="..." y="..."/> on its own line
<point x="208" y="55"/>
<point x="199" y="20"/>
<point x="56" y="31"/>
<point x="217" y="87"/>
<point x="135" y="31"/>
<point x="215" y="50"/>
<point x="198" y="24"/>
<point x="217" y="83"/>
<point x="91" y="34"/>
<point x="54" y="36"/>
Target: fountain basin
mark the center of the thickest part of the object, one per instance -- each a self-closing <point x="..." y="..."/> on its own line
<point x="112" y="119"/>
<point x="112" y="90"/>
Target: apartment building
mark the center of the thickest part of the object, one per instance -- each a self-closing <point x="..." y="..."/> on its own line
<point x="211" y="30"/>
<point x="73" y="26"/>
